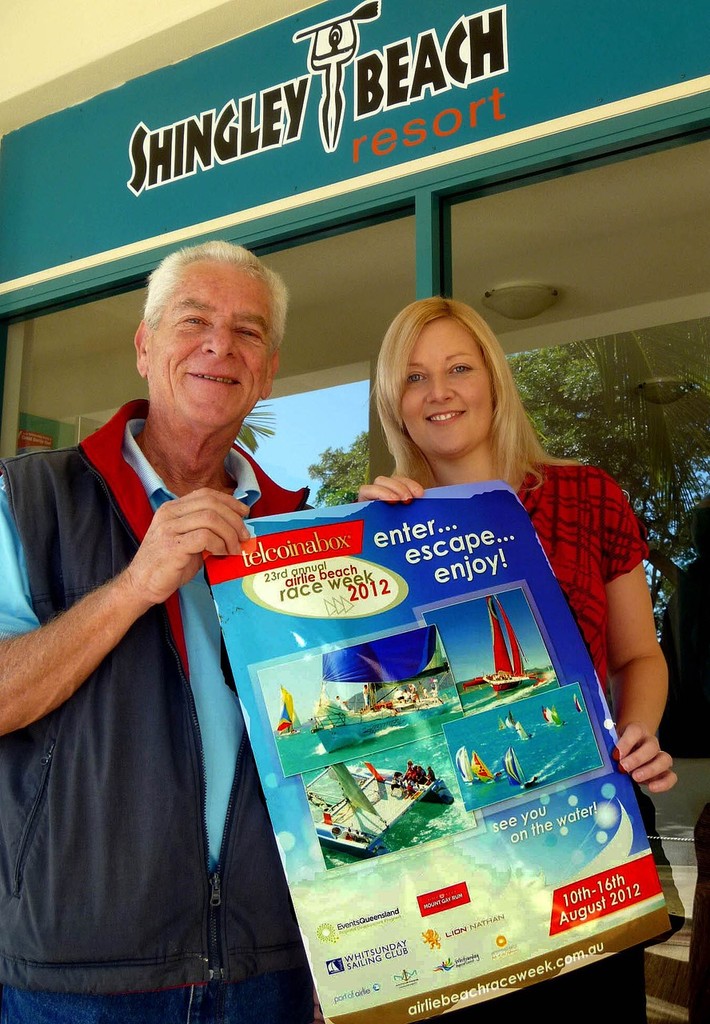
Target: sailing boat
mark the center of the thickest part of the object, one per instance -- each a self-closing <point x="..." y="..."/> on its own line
<point x="577" y="705"/>
<point x="385" y="680"/>
<point x="521" y="731"/>
<point x="358" y="819"/>
<point x="508" y="656"/>
<point x="514" y="770"/>
<point x="551" y="715"/>
<point x="288" y="723"/>
<point x="473" y="769"/>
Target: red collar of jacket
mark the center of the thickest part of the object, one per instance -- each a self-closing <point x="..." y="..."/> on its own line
<point x="104" y="450"/>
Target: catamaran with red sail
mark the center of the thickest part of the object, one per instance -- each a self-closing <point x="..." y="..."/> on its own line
<point x="508" y="656"/>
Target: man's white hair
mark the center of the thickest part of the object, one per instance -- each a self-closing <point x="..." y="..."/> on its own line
<point x="166" y="277"/>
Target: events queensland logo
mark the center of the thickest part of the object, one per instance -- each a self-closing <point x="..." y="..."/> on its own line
<point x="328" y="932"/>
<point x="398" y="75"/>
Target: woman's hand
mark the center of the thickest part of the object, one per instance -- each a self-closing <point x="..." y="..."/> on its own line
<point x="391" y="488"/>
<point x="639" y="754"/>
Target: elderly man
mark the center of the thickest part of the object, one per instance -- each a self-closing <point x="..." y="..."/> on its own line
<point x="139" y="877"/>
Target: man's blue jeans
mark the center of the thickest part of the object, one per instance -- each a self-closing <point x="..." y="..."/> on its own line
<point x="282" y="997"/>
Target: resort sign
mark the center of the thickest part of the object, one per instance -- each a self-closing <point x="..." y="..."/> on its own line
<point x="426" y="721"/>
<point x="357" y="104"/>
<point x="400" y="74"/>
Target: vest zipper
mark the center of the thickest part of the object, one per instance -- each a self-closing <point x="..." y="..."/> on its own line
<point x="215" y="968"/>
<point x="31" y="822"/>
<point x="213" y="958"/>
<point x="215" y="962"/>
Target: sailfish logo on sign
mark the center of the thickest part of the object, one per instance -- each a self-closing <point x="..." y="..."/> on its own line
<point x="334" y="45"/>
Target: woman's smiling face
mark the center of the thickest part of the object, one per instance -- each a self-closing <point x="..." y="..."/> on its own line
<point x="447" y="405"/>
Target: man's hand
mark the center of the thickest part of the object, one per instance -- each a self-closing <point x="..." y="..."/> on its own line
<point x="180" y="532"/>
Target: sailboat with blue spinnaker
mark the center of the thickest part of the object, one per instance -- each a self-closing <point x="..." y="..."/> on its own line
<point x="515" y="771"/>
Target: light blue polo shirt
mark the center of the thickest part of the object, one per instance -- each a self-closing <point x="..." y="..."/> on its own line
<point x="218" y="709"/>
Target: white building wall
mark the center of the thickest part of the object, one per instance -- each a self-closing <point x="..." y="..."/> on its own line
<point x="56" y="53"/>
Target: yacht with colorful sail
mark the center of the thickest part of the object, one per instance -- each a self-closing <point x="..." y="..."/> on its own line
<point x="513" y="723"/>
<point x="515" y="771"/>
<point x="288" y="724"/>
<point x="388" y="682"/>
<point x="522" y="731"/>
<point x="473" y="769"/>
<point x="551" y="715"/>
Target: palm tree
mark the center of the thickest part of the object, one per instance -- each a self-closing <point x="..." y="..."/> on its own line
<point x="256" y="426"/>
<point x="637" y="404"/>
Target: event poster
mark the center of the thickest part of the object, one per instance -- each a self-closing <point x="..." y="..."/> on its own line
<point x="435" y="751"/>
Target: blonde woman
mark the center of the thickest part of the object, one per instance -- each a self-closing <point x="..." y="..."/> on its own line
<point x="452" y="415"/>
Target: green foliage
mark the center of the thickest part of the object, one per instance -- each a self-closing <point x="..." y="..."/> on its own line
<point x="586" y="402"/>
<point x="257" y="425"/>
<point x="342" y="472"/>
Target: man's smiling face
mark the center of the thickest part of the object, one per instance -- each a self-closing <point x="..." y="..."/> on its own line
<point x="209" y="360"/>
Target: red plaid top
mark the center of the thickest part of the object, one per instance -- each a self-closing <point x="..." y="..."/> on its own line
<point x="590" y="535"/>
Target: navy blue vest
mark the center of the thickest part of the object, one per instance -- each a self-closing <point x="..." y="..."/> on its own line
<point x="103" y="865"/>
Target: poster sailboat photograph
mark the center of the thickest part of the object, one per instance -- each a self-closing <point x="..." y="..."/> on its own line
<point x="483" y="752"/>
<point x="355" y="806"/>
<point x="382" y="685"/>
<point x="509" y="669"/>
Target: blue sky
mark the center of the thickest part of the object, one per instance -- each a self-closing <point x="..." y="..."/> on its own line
<point x="306" y="424"/>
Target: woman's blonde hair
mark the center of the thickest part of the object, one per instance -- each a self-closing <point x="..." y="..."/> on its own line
<point x="515" y="446"/>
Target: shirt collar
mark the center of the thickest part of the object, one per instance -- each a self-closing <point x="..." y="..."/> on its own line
<point x="239" y="469"/>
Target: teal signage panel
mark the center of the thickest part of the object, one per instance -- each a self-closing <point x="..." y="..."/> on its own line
<point x="330" y="95"/>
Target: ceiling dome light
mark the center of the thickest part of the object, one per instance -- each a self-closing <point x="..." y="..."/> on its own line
<point x="664" y="390"/>
<point x="520" y="301"/>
